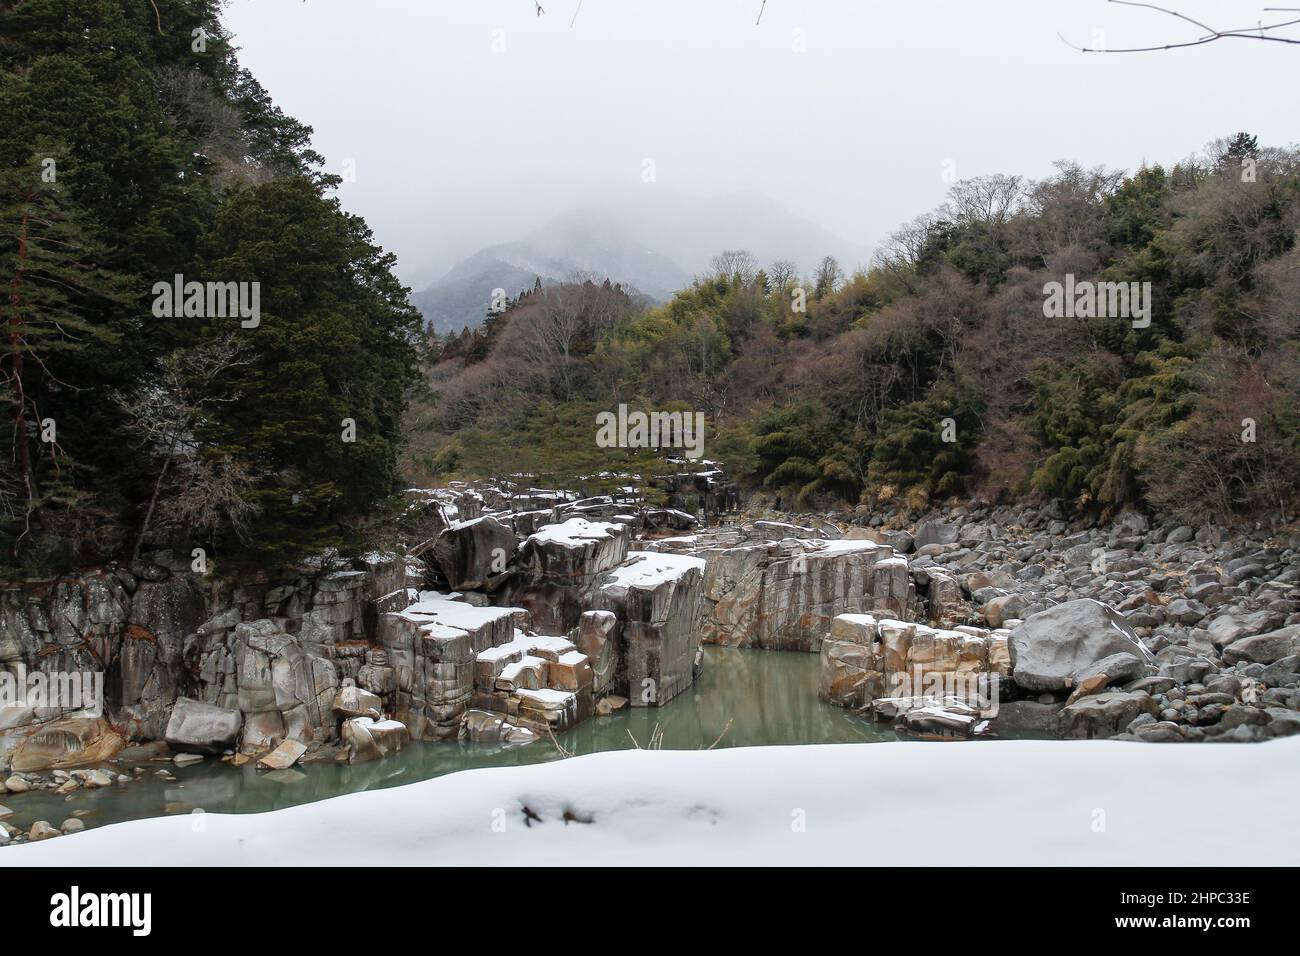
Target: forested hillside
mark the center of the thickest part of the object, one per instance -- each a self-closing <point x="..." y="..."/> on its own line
<point x="936" y="373"/>
<point x="135" y="149"/>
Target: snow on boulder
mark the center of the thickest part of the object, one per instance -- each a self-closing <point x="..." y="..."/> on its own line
<point x="1049" y="648"/>
<point x="371" y="739"/>
<point x="658" y="597"/>
<point x="784" y="595"/>
<point x="433" y="645"/>
<point x="471" y="554"/>
<point x="575" y="549"/>
<point x="485" y="727"/>
<point x="557" y="567"/>
<point x="352" y="701"/>
<point x="597" y="637"/>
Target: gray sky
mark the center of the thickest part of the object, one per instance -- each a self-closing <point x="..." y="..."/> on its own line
<point x="457" y="145"/>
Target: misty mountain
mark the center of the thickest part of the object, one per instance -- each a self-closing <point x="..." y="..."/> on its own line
<point x="652" y="240"/>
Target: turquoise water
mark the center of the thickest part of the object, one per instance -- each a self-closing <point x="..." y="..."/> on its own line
<point x="750" y="698"/>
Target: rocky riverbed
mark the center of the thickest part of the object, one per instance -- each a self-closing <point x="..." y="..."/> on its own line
<point x="1128" y="631"/>
<point x="507" y="616"/>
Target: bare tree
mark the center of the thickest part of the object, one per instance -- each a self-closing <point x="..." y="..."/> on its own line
<point x="900" y="254"/>
<point x="783" y="274"/>
<point x="828" y="278"/>
<point x="1259" y="31"/>
<point x="735" y="264"/>
<point x="984" y="200"/>
<point x="164" y="414"/>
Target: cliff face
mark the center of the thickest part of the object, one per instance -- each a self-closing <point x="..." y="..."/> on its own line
<point x="117" y="648"/>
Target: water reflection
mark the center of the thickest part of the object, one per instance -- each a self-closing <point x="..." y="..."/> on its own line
<point x="769" y="698"/>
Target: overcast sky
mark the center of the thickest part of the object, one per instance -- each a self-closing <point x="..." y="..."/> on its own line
<point x="471" y="121"/>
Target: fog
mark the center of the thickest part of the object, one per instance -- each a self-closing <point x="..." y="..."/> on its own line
<point x="472" y="121"/>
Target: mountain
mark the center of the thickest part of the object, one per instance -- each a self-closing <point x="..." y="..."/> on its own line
<point x="577" y="243"/>
<point x="653" y="240"/>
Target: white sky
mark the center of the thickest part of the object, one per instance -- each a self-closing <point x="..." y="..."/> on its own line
<point x="457" y="146"/>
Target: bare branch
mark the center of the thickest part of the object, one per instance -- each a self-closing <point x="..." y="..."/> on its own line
<point x="1258" y="32"/>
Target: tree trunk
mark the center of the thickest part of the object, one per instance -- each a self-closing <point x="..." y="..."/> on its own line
<point x="16" y="363"/>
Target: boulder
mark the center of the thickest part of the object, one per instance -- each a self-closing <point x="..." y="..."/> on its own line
<point x="557" y="567"/>
<point x="67" y="743"/>
<point x="1158" y="732"/>
<point x="1232" y="626"/>
<point x="1050" y="647"/>
<point x="1117" y="669"/>
<point x="1264" y="648"/>
<point x="597" y="638"/>
<point x="658" y="597"/>
<point x="1027" y="718"/>
<point x="854" y="628"/>
<point x="934" y="530"/>
<point x="848" y="675"/>
<point x="784" y="595"/>
<point x="284" y="756"/>
<point x="1003" y="608"/>
<point x="548" y="709"/>
<point x="195" y="725"/>
<point x="570" y="671"/>
<point x="485" y="727"/>
<point x="944" y="594"/>
<point x="370" y="739"/>
<point x="472" y="554"/>
<point x="41" y="830"/>
<point x="352" y="701"/>
<point x="608" y="705"/>
<point x="1184" y="611"/>
<point x="1104" y="715"/>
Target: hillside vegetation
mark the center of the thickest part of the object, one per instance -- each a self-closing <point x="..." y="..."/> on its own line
<point x="134" y="149"/>
<point x="935" y="373"/>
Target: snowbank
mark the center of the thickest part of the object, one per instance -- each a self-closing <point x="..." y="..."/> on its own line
<point x="906" y="804"/>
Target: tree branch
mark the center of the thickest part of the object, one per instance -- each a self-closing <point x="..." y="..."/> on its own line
<point x="1258" y="32"/>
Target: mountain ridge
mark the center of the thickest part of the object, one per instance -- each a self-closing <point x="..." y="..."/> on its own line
<point x="653" y="244"/>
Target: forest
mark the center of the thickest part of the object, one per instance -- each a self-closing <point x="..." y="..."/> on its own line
<point x="935" y="372"/>
<point x="137" y="158"/>
<point x="133" y="155"/>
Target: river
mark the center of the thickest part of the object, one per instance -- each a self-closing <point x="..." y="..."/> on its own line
<point x="743" y="698"/>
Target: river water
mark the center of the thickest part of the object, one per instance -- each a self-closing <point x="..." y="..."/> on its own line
<point x="750" y="698"/>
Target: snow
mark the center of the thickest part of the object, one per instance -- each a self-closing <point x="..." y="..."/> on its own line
<point x="547" y="642"/>
<point x="575" y="532"/>
<point x="1018" y="802"/>
<point x="501" y="651"/>
<point x="511" y="671"/>
<point x="818" y="547"/>
<point x="468" y="522"/>
<point x="648" y="569"/>
<point x="456" y="614"/>
<point x="546" y="695"/>
<point x="524" y="643"/>
<point x="866" y="620"/>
